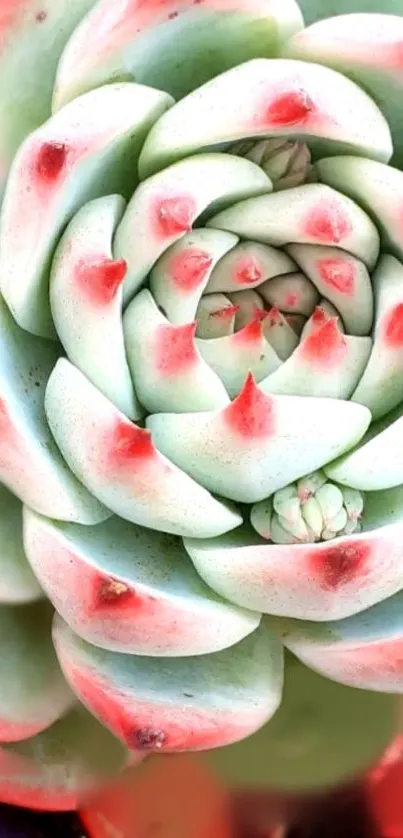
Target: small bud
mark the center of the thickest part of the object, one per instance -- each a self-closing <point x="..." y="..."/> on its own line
<point x="307" y="486"/>
<point x="312" y="509"/>
<point x="280" y="535"/>
<point x="312" y="515"/>
<point x="330" y="500"/>
<point x="261" y="516"/>
<point x="354" y="503"/>
<point x="286" y="162"/>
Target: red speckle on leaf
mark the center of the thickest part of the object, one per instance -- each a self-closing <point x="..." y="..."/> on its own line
<point x="339" y="564"/>
<point x="319" y="317"/>
<point x="326" y="345"/>
<point x="41" y="16"/>
<point x="148" y="739"/>
<point x="248" y="271"/>
<point x="183" y="724"/>
<point x="225" y="313"/>
<point x="112" y="592"/>
<point x="326" y="223"/>
<point x="130" y="444"/>
<point x="291" y="300"/>
<point x="51" y="161"/>
<point x="189" y="268"/>
<point x="175" y="215"/>
<point x="274" y="316"/>
<point x="260" y="313"/>
<point x="250" y="334"/>
<point x="250" y="415"/>
<point x="173" y="15"/>
<point x="338" y="274"/>
<point x="175" y="349"/>
<point x="290" y="108"/>
<point x="100" y="279"/>
<point x="393" y="328"/>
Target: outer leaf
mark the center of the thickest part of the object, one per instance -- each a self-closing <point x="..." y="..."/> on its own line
<point x="277" y="98"/>
<point x="122" y="464"/>
<point x="258" y="444"/>
<point x="176" y="704"/>
<point x="174" y="45"/>
<point x="86" y="150"/>
<point x="327" y="580"/>
<point x="55" y="770"/>
<point x="32" y="36"/>
<point x="34" y="693"/>
<point x="17" y="581"/>
<point x="364" y="651"/>
<point x="367" y="48"/>
<point x="30" y="463"/>
<point x="132" y="590"/>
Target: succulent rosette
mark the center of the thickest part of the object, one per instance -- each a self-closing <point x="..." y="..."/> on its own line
<point x="201" y="383"/>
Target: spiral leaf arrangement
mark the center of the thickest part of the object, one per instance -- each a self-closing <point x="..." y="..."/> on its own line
<point x="201" y="375"/>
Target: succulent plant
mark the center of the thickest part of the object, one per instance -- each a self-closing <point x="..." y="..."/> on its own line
<point x="201" y="380"/>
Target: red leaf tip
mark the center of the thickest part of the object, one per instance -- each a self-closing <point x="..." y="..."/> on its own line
<point x="250" y="415"/>
<point x="131" y="443"/>
<point x="175" y="349"/>
<point x="176" y="215"/>
<point x="101" y="278"/>
<point x="189" y="268"/>
<point x="339" y="564"/>
<point x="289" y="108"/>
<point x="326" y="344"/>
<point x="393" y="327"/>
<point x="248" y="271"/>
<point x="50" y="161"/>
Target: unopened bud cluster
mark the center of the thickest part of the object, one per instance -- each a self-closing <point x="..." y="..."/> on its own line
<point x="312" y="509"/>
<point x="286" y="162"/>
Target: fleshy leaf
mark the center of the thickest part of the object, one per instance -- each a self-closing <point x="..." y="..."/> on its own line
<point x="58" y="768"/>
<point x="247" y="265"/>
<point x="232" y="357"/>
<point x="34" y="693"/>
<point x="381" y="387"/>
<point x="259" y="443"/>
<point x="325" y="364"/>
<point x="131" y="590"/>
<point x="118" y="461"/>
<point x="322" y="581"/>
<point x="176" y="704"/>
<point x="86" y="150"/>
<point x="170" y="372"/>
<point x="17" y="581"/>
<point x="308" y="214"/>
<point x="365" y="47"/>
<point x="270" y="98"/>
<point x="175" y="45"/>
<point x="375" y="187"/>
<point x="33" y="35"/>
<point x="340" y="278"/>
<point x="182" y="274"/>
<point x="377" y="461"/>
<point x="164" y="207"/>
<point x="30" y="464"/>
<point x="86" y="301"/>
<point x="364" y="651"/>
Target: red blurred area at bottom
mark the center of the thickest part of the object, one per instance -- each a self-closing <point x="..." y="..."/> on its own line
<point x="177" y="796"/>
<point x="384" y="787"/>
<point x="167" y="797"/>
